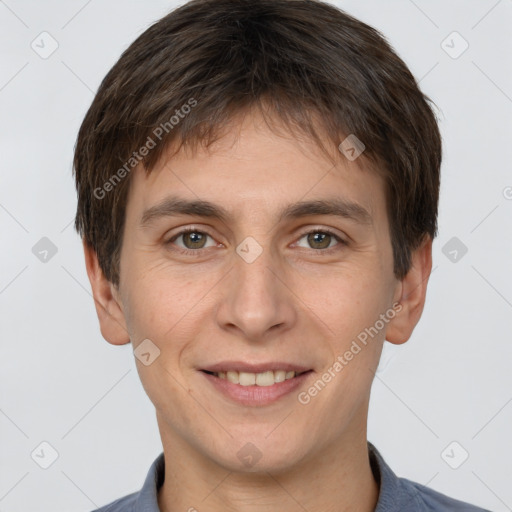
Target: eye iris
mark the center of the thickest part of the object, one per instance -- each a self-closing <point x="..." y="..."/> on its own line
<point x="324" y="239"/>
<point x="194" y="240"/>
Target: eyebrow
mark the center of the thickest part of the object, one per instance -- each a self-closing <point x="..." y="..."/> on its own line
<point x="172" y="206"/>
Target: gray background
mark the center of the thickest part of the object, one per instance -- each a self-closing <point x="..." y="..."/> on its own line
<point x="63" y="384"/>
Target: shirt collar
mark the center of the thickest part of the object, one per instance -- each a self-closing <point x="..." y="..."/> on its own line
<point x="147" y="500"/>
<point x="389" y="494"/>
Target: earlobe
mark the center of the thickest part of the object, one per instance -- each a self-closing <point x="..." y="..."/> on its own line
<point x="412" y="295"/>
<point x="108" y="306"/>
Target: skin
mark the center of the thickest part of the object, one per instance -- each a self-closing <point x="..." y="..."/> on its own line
<point x="293" y="303"/>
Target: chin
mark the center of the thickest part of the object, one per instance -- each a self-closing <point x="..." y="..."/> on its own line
<point x="265" y="455"/>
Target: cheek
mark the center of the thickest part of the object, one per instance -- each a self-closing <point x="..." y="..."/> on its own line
<point x="348" y="306"/>
<point x="346" y="301"/>
<point x="166" y="305"/>
<point x="153" y="297"/>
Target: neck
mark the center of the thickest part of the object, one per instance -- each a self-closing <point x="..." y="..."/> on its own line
<point x="339" y="479"/>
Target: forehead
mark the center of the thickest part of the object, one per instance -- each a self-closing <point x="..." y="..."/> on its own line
<point x="251" y="169"/>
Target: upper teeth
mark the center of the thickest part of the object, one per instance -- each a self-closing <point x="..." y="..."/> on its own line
<point x="259" y="379"/>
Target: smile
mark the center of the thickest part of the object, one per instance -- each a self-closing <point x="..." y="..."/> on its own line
<point x="256" y="389"/>
<point x="267" y="378"/>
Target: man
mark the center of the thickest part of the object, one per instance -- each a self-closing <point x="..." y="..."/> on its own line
<point x="257" y="196"/>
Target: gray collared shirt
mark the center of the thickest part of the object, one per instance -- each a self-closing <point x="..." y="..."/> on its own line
<point x="396" y="494"/>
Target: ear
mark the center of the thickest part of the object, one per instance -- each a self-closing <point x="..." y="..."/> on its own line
<point x="411" y="293"/>
<point x="108" y="306"/>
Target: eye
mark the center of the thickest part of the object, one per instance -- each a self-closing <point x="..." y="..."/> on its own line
<point x="191" y="239"/>
<point x="321" y="239"/>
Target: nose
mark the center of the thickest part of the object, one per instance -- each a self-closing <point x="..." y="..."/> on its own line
<point x="256" y="299"/>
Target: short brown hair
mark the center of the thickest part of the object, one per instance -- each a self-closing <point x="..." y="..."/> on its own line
<point x="306" y="60"/>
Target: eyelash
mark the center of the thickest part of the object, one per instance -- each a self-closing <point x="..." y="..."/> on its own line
<point x="197" y="252"/>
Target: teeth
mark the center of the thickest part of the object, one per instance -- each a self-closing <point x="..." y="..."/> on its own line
<point x="246" y="379"/>
<point x="265" y="379"/>
<point x="259" y="379"/>
<point x="232" y="377"/>
<point x="279" y="376"/>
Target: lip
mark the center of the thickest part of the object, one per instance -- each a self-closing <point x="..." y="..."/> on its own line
<point x="240" y="366"/>
<point x="256" y="395"/>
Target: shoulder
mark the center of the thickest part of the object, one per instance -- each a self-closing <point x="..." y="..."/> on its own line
<point x="429" y="500"/>
<point x="125" y="504"/>
<point x="398" y="494"/>
<point x="147" y="498"/>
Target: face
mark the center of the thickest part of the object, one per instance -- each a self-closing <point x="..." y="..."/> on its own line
<point x="282" y="271"/>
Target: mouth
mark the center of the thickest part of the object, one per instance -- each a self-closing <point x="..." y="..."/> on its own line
<point x="256" y="389"/>
<point x="263" y="379"/>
